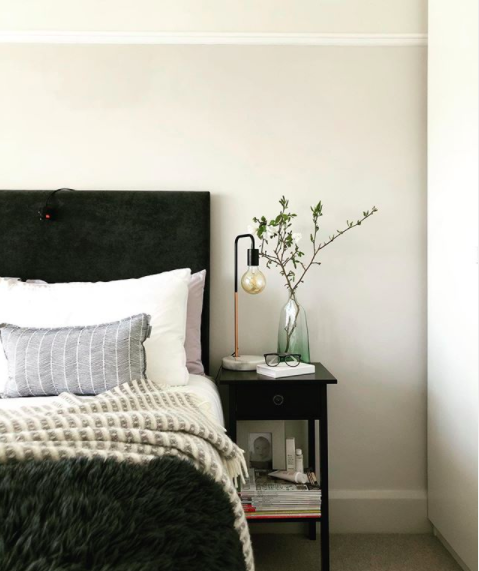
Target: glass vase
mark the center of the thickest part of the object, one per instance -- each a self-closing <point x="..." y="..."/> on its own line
<point x="293" y="336"/>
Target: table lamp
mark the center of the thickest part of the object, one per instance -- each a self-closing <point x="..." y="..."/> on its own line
<point x="253" y="282"/>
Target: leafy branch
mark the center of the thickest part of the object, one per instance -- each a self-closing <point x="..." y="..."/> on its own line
<point x="279" y="244"/>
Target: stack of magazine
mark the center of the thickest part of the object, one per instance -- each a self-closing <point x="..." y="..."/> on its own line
<point x="264" y="497"/>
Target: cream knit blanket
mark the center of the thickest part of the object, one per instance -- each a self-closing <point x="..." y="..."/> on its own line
<point x="134" y="422"/>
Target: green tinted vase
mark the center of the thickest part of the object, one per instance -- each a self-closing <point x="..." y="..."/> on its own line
<point x="293" y="336"/>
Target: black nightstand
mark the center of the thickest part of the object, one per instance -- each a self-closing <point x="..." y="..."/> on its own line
<point x="257" y="397"/>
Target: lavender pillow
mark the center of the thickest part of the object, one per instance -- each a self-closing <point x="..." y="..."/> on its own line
<point x="196" y="290"/>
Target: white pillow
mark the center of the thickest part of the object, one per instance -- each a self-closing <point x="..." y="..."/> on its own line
<point x="163" y="296"/>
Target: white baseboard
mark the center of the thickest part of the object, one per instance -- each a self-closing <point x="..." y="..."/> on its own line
<point x="448" y="546"/>
<point x="379" y="511"/>
<point x="368" y="511"/>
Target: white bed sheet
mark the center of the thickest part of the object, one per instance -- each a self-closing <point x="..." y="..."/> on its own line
<point x="201" y="385"/>
<point x="206" y="388"/>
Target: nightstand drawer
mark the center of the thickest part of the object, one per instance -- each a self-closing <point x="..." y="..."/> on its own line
<point x="264" y="402"/>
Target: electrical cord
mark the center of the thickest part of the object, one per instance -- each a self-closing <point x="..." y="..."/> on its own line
<point x="48" y="213"/>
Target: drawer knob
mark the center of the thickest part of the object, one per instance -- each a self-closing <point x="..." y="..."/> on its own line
<point x="278" y="400"/>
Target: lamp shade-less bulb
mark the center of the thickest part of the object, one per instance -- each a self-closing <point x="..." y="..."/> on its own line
<point x="253" y="281"/>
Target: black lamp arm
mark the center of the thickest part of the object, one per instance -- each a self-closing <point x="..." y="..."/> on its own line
<point x="253" y="255"/>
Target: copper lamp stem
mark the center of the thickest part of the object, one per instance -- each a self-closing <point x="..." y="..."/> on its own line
<point x="236" y="326"/>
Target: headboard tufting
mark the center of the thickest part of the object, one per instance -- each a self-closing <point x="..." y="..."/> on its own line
<point x="106" y="235"/>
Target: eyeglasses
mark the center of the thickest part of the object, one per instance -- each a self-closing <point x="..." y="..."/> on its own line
<point x="274" y="359"/>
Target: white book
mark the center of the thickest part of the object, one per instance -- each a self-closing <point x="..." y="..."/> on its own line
<point x="284" y="370"/>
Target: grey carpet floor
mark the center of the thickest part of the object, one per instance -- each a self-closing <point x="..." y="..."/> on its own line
<point x="353" y="553"/>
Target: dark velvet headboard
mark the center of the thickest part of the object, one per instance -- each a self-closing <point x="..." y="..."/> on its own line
<point x="106" y="235"/>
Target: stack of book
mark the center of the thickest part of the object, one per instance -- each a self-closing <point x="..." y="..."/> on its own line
<point x="264" y="497"/>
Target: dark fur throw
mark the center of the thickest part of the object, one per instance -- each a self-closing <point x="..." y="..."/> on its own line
<point x="78" y="515"/>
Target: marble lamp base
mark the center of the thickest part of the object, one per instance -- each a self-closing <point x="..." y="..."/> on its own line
<point x="242" y="363"/>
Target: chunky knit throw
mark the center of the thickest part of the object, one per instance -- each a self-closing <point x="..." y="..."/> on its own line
<point x="135" y="422"/>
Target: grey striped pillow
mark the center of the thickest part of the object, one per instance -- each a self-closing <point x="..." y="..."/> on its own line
<point x="81" y="360"/>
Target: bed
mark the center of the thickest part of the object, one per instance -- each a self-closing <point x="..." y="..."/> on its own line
<point x="141" y="476"/>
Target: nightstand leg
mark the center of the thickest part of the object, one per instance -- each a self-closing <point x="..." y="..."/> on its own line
<point x="232" y="414"/>
<point x="323" y="465"/>
<point x="312" y="464"/>
<point x="311" y="445"/>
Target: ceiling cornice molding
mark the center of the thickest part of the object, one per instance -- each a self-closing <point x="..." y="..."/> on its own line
<point x="213" y="38"/>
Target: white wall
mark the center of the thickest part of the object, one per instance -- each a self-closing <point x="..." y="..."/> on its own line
<point x="452" y="273"/>
<point x="382" y="16"/>
<point x="344" y="125"/>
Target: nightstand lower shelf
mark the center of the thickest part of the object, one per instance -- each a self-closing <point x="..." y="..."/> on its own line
<point x="284" y="518"/>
